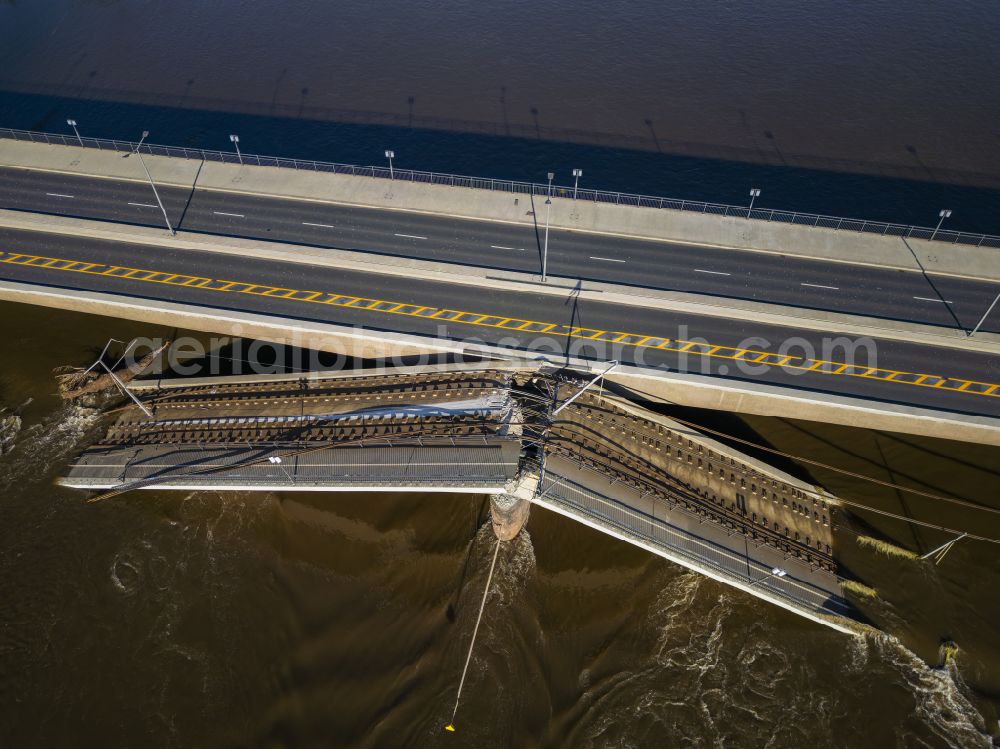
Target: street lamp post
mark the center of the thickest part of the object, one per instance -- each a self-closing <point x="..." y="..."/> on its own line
<point x="235" y="139"/>
<point x="548" y="212"/>
<point x="151" y="184"/>
<point x="72" y="124"/>
<point x="580" y="392"/>
<point x="943" y="214"/>
<point x="754" y="194"/>
<point x="577" y="173"/>
<point x="389" y="154"/>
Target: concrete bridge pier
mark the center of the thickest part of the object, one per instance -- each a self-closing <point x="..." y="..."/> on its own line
<point x="509" y="510"/>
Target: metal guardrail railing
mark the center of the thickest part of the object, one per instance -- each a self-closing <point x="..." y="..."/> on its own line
<point x="530" y="188"/>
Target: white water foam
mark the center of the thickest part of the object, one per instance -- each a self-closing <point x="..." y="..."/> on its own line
<point x="720" y="676"/>
<point x="940" y="703"/>
<point x="46" y="444"/>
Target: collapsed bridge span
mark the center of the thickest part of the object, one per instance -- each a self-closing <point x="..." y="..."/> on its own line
<point x="603" y="460"/>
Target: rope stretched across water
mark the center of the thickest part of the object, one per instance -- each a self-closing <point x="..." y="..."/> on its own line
<point x="475" y="631"/>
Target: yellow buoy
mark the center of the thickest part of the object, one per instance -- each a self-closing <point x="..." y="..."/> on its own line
<point x="449" y="727"/>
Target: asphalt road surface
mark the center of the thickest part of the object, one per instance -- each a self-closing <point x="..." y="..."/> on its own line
<point x="814" y="284"/>
<point x="925" y="376"/>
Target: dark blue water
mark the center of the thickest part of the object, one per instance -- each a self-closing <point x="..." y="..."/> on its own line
<point x="882" y="110"/>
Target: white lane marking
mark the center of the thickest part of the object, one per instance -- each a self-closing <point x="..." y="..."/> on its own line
<point x="322" y="226"/>
<point x="606" y="259"/>
<point x="926" y="299"/>
<point x="59" y="195"/>
<point x="501" y="247"/>
<point x="410" y="236"/>
<point x="223" y="213"/>
<point x="143" y="205"/>
<point x="820" y="286"/>
<point x="713" y="272"/>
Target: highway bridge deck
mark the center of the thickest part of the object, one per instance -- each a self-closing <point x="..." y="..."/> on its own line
<point x="779" y="279"/>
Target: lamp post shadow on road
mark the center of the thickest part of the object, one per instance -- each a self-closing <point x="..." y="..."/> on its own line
<point x="145" y="134"/>
<point x="545" y="245"/>
<point x="985" y="315"/>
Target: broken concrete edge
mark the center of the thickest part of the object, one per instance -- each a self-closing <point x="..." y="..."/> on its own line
<point x="843" y="625"/>
<point x="367" y="262"/>
<point x="604" y="219"/>
<point x="698" y="391"/>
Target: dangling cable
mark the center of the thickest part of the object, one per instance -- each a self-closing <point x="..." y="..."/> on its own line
<point x="475" y="631"/>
